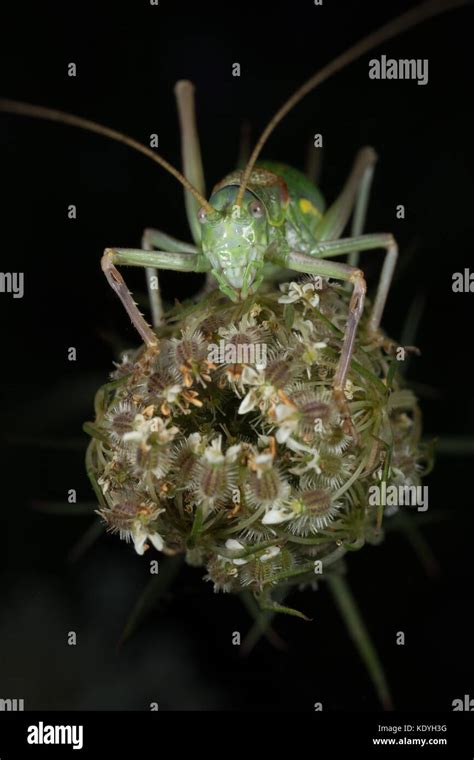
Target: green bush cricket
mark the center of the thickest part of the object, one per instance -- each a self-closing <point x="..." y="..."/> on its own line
<point x="263" y="218"/>
<point x="260" y="223"/>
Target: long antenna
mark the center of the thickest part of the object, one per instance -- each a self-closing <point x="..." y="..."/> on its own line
<point x="398" y="25"/>
<point x="39" y="112"/>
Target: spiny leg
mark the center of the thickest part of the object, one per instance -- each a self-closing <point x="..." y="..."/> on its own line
<point x="178" y="262"/>
<point x="302" y="262"/>
<point x="331" y="248"/>
<point x="155" y="239"/>
<point x="116" y="281"/>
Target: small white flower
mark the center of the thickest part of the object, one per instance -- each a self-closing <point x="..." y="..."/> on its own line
<point x="194" y="441"/>
<point x="252" y="377"/>
<point x="140" y="432"/>
<point x="276" y="515"/>
<point x="165" y="433"/>
<point x="308" y="457"/>
<point x="305" y="327"/>
<point x="287" y="420"/>
<point x="140" y="536"/>
<point x="144" y="427"/>
<point x="294" y="292"/>
<point x="250" y="402"/>
<point x="236" y="546"/>
<point x="272" y="551"/>
<point x="172" y="392"/>
<point x="262" y="390"/>
<point x="213" y="454"/>
<point x="232" y="453"/>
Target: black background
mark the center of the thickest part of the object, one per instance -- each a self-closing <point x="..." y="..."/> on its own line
<point x="128" y="57"/>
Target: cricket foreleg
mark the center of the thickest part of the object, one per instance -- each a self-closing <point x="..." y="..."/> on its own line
<point x="179" y="262"/>
<point x="164" y="242"/>
<point x="151" y="240"/>
<point x="331" y="248"/>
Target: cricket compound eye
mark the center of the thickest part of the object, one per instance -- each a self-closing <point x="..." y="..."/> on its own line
<point x="256" y="209"/>
<point x="202" y="216"/>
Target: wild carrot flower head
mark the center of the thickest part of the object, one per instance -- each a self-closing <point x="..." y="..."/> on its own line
<point x="249" y="469"/>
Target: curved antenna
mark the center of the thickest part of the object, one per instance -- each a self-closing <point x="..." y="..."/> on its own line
<point x="39" y="112"/>
<point x="398" y="25"/>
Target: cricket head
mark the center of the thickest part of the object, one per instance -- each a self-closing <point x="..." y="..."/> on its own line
<point x="234" y="240"/>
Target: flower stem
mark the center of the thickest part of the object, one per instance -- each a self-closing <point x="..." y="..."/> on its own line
<point x="360" y="636"/>
<point x="261" y="627"/>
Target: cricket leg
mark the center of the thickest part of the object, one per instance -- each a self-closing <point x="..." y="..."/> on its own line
<point x="331" y="248"/>
<point x="192" y="163"/>
<point x="360" y="210"/>
<point x="354" y="194"/>
<point x="191" y="153"/>
<point x="153" y="239"/>
<point x="179" y="262"/>
<point x="153" y="286"/>
<point x="156" y="239"/>
<point x="302" y="262"/>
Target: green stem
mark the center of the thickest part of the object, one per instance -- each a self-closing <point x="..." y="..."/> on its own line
<point x="268" y="605"/>
<point x="91" y="470"/>
<point x="95" y="432"/>
<point x="308" y="568"/>
<point x="360" y="636"/>
<point x="93" y="532"/>
<point x="197" y="527"/>
<point x="154" y="590"/>
<point x="261" y="627"/>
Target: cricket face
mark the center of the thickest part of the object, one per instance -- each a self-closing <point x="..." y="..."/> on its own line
<point x="234" y="240"/>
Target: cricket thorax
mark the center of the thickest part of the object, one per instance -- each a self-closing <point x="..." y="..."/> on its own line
<point x="234" y="240"/>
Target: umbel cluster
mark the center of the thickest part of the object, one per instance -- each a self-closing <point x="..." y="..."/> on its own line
<point x="249" y="469"/>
